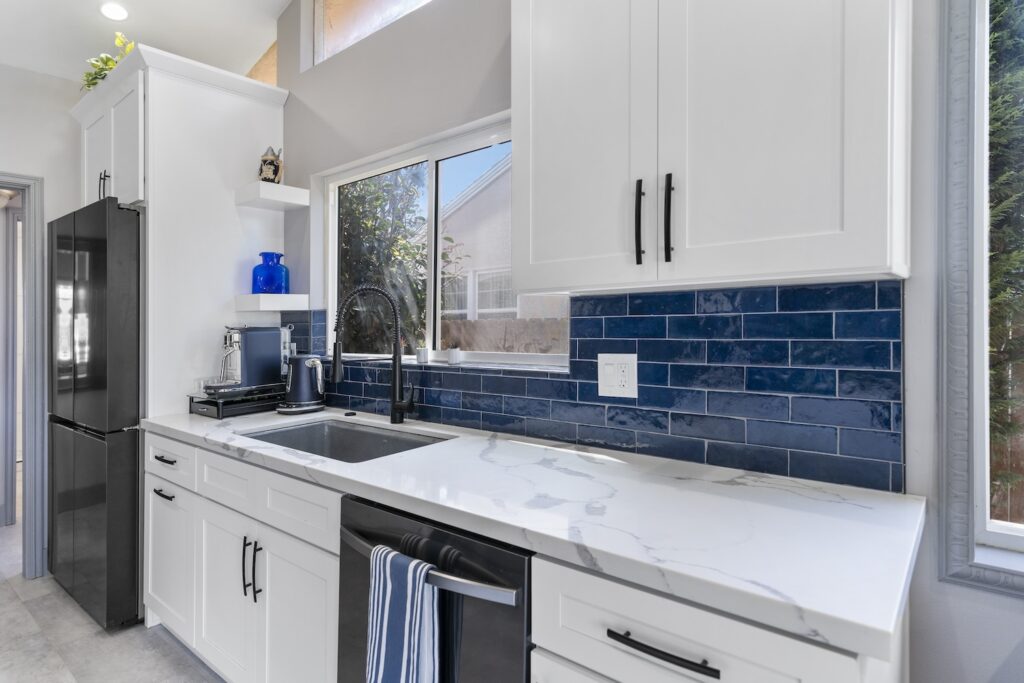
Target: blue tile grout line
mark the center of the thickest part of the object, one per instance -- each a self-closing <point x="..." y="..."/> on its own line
<point x="835" y="414"/>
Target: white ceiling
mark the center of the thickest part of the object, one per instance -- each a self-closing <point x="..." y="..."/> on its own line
<point x="57" y="36"/>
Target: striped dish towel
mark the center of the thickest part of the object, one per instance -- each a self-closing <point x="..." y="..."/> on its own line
<point x="402" y="638"/>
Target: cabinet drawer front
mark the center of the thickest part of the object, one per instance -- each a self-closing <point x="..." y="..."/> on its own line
<point x="548" y="668"/>
<point x="295" y="507"/>
<point x="573" y="613"/>
<point x="171" y="460"/>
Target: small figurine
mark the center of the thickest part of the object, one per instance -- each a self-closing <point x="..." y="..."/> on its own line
<point x="271" y="166"/>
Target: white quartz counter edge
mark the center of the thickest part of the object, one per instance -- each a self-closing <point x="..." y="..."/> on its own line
<point x="828" y="563"/>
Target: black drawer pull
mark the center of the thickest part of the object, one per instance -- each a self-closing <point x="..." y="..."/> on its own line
<point x="700" y="668"/>
<point x="165" y="496"/>
<point x="669" y="189"/>
<point x="245" y="584"/>
<point x="638" y="216"/>
<point x="166" y="461"/>
<point x="255" y="591"/>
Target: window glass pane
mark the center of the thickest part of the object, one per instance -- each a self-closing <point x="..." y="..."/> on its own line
<point x="346" y="22"/>
<point x="479" y="309"/>
<point x="1006" y="260"/>
<point x="382" y="240"/>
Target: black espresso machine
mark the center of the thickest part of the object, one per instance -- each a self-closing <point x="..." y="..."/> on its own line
<point x="250" y="375"/>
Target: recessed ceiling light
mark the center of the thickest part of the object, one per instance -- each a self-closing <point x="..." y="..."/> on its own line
<point x="114" y="11"/>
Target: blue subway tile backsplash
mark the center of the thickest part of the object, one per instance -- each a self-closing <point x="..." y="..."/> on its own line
<point x="801" y="380"/>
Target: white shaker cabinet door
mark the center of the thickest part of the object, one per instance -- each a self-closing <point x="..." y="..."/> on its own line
<point x="170" y="568"/>
<point x="226" y="613"/>
<point x="96" y="156"/>
<point x="126" y="113"/>
<point x="783" y="126"/>
<point x="584" y="132"/>
<point x="298" y="633"/>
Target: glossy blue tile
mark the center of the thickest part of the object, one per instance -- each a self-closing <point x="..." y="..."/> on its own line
<point x="835" y="469"/>
<point x="897" y="417"/>
<point x="792" y="381"/>
<point x="635" y="327"/>
<point x="527" y="407"/>
<point x="424" y="378"/>
<point x="843" y="354"/>
<point x="683" y="400"/>
<point x="358" y="374"/>
<point x="707" y="427"/>
<point x="670" y="351"/>
<point x="509" y="424"/>
<point x="302" y="344"/>
<point x="842" y="412"/>
<point x="336" y="401"/>
<point x="665" y="446"/>
<point x="517" y="372"/>
<point x="583" y="370"/>
<point x="897" y="355"/>
<point x="874" y="445"/>
<point x="605" y="437"/>
<point x="747" y="300"/>
<point x="574" y="348"/>
<point x="589" y="348"/>
<point x="317" y="316"/>
<point x="787" y="325"/>
<point x="661" y="303"/>
<point x="749" y="352"/>
<point x="598" y="305"/>
<point x="591" y="328"/>
<point x="498" y="384"/>
<point x="295" y="317"/>
<point x="428" y="413"/>
<point x="884" y="386"/>
<point x="649" y="373"/>
<point x="580" y="413"/>
<point x="549" y="429"/>
<point x="705" y="327"/>
<point x="491" y="403"/>
<point x="896" y="484"/>
<point x="461" y="418"/>
<point x="460" y="381"/>
<point x="588" y="394"/>
<point x="318" y="330"/>
<point x="318" y="346"/>
<point x="746" y="457"/>
<point x="366" y="405"/>
<point x="860" y="296"/>
<point x="442" y="397"/>
<point x="868" y="325"/>
<point x="706" y="376"/>
<point x="377" y="390"/>
<point x="788" y="435"/>
<point x="638" y="419"/>
<point x="564" y="390"/>
<point x="890" y="294"/>
<point x="349" y="388"/>
<point x="735" y="404"/>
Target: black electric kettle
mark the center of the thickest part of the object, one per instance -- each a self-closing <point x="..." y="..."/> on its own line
<point x="304" y="388"/>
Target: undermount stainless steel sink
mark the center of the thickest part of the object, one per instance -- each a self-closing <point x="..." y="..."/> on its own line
<point x="344" y="441"/>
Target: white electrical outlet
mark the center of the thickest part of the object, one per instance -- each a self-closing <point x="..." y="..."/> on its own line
<point x="616" y="374"/>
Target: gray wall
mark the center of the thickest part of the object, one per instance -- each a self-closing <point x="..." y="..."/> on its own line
<point x="443" y="65"/>
<point x="38" y="136"/>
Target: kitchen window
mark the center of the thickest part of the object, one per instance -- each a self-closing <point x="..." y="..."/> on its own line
<point x="338" y="24"/>
<point x="433" y="226"/>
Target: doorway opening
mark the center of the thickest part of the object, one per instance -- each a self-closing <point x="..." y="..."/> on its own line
<point x="12" y="221"/>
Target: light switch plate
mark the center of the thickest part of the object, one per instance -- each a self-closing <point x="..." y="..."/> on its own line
<point x="616" y="374"/>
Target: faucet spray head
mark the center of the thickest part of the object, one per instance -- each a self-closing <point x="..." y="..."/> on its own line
<point x="337" y="370"/>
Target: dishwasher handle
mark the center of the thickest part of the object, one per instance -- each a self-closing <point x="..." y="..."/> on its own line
<point x="446" y="582"/>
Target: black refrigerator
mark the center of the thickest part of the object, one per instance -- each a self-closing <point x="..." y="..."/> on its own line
<point x="94" y="409"/>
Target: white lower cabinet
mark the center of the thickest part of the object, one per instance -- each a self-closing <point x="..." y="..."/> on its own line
<point x="256" y="603"/>
<point x="548" y="668"/>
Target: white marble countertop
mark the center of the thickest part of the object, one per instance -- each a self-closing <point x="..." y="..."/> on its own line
<point x="829" y="563"/>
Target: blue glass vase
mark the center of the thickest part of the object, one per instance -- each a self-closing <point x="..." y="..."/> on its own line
<point x="271" y="276"/>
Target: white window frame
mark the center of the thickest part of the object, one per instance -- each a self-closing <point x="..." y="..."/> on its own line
<point x="486" y="132"/>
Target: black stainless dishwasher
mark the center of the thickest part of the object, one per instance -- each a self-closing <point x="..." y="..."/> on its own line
<point x="483" y="596"/>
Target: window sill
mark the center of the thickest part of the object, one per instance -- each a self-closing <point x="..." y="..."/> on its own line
<point x="999" y="559"/>
<point x="470" y="365"/>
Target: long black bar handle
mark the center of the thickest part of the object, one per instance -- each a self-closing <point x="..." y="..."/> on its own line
<point x="669" y="189"/>
<point x="638" y="215"/>
<point x="255" y="591"/>
<point x="104" y="177"/>
<point x="690" y="665"/>
<point x="165" y="496"/>
<point x="99" y="186"/>
<point x="166" y="461"/>
<point x="246" y="584"/>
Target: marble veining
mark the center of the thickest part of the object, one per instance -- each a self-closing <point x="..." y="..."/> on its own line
<point x="825" y="562"/>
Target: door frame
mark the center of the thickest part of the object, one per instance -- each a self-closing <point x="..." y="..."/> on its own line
<point x="35" y="385"/>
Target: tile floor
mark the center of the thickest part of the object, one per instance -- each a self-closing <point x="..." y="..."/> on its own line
<point x="45" y="636"/>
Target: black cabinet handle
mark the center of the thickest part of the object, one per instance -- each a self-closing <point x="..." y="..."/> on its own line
<point x="99" y="187"/>
<point x="245" y="584"/>
<point x="165" y="496"/>
<point x="166" y="461"/>
<point x="638" y="215"/>
<point x="255" y="591"/>
<point x="696" y="667"/>
<point x="669" y="189"/>
<point x="102" y="188"/>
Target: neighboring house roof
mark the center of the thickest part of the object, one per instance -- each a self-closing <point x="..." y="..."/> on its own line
<point x="493" y="173"/>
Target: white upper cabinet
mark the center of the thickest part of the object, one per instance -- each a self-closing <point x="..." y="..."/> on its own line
<point x="584" y="131"/>
<point x="113" y="140"/>
<point x="781" y="125"/>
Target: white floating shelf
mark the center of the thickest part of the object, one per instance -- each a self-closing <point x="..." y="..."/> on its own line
<point x="261" y="195"/>
<point x="272" y="302"/>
